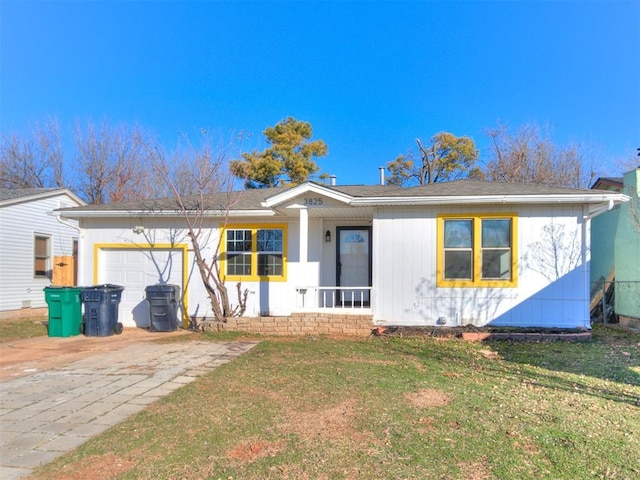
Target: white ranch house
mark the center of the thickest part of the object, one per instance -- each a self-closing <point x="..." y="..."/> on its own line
<point x="457" y="253"/>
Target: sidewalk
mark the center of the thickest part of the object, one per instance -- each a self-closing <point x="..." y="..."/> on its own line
<point x="48" y="413"/>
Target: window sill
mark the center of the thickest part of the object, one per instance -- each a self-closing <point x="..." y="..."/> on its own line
<point x="254" y="278"/>
<point x="472" y="284"/>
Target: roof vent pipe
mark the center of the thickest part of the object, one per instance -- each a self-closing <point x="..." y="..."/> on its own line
<point x="381" y="170"/>
<point x="332" y="180"/>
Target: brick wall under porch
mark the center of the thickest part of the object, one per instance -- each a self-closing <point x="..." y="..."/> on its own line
<point x="298" y="324"/>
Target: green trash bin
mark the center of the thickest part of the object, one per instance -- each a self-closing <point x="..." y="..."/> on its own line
<point x="65" y="310"/>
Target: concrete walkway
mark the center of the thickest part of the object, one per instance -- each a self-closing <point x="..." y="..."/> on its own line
<point x="48" y="413"/>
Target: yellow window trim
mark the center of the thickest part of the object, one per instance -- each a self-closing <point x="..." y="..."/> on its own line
<point x="254" y="253"/>
<point x="97" y="247"/>
<point x="477" y="251"/>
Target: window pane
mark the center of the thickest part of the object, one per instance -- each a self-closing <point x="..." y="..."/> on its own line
<point x="496" y="264"/>
<point x="496" y="233"/>
<point x="41" y="256"/>
<point x="269" y="264"/>
<point x="41" y="246"/>
<point x="41" y="267"/>
<point x="238" y="264"/>
<point x="269" y="240"/>
<point x="457" y="233"/>
<point x="457" y="265"/>
<point x="238" y="240"/>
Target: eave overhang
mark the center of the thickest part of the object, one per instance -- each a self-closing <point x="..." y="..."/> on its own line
<point x="595" y="201"/>
<point x="303" y="189"/>
<point x="163" y="213"/>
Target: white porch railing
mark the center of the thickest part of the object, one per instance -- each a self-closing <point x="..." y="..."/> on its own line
<point x="324" y="298"/>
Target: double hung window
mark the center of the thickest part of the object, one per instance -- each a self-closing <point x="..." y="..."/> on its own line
<point x="41" y="258"/>
<point x="239" y="252"/>
<point x="255" y="253"/>
<point x="269" y="251"/>
<point x="477" y="250"/>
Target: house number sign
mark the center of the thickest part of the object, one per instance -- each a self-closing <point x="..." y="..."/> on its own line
<point x="312" y="201"/>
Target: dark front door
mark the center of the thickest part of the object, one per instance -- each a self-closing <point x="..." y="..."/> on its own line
<point x="353" y="265"/>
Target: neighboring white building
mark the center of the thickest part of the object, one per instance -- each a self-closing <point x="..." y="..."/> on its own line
<point x="456" y="253"/>
<point x="35" y="244"/>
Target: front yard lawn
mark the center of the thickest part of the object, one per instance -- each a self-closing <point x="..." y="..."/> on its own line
<point x="18" y="329"/>
<point x="388" y="408"/>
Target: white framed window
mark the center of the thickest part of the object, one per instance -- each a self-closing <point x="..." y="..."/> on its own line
<point x="41" y="256"/>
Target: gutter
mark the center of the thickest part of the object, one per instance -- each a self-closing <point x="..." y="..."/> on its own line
<point x="493" y="199"/>
<point x="603" y="209"/>
<point x="160" y="213"/>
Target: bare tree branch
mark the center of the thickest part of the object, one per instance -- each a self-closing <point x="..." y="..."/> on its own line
<point x="205" y="174"/>
<point x="113" y="163"/>
<point x="35" y="161"/>
<point x="529" y="156"/>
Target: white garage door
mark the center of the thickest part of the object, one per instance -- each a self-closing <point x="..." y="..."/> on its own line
<point x="135" y="269"/>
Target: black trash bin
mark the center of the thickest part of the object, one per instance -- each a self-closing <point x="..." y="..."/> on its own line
<point x="101" y="310"/>
<point x="163" y="307"/>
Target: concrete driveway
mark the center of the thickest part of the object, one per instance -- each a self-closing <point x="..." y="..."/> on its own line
<point x="56" y="393"/>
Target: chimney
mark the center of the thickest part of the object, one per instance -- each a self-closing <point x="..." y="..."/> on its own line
<point x="332" y="180"/>
<point x="381" y="170"/>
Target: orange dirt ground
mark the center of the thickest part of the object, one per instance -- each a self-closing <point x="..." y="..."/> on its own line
<point x="24" y="357"/>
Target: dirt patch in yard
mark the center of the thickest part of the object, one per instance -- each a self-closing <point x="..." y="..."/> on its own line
<point x="333" y="423"/>
<point x="478" y="470"/>
<point x="32" y="355"/>
<point x="255" y="449"/>
<point x="427" y="398"/>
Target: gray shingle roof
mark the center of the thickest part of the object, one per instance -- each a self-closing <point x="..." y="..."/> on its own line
<point x="13" y="193"/>
<point x="252" y="199"/>
<point x="482" y="188"/>
<point x="237" y="200"/>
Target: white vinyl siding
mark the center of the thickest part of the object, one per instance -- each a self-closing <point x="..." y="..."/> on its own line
<point x="20" y="223"/>
<point x="405" y="283"/>
<point x="275" y="299"/>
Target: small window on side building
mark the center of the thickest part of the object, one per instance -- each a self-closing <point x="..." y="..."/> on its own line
<point x="42" y="258"/>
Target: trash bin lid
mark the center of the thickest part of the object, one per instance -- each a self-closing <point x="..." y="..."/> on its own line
<point x="162" y="287"/>
<point x="61" y="288"/>
<point x="105" y="287"/>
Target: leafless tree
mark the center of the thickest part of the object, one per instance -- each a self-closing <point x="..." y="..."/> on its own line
<point x="192" y="174"/>
<point x="35" y="161"/>
<point x="113" y="163"/>
<point x="192" y="169"/>
<point x="529" y="156"/>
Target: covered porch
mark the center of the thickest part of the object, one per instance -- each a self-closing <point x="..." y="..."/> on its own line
<point x="330" y="257"/>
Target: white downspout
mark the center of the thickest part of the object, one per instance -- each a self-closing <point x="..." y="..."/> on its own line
<point x="65" y="223"/>
<point x="586" y="264"/>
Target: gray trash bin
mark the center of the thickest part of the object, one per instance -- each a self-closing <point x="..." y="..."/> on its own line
<point x="101" y="310"/>
<point x="163" y="307"/>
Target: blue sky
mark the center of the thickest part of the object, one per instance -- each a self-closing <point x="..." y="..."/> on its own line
<point x="369" y="76"/>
